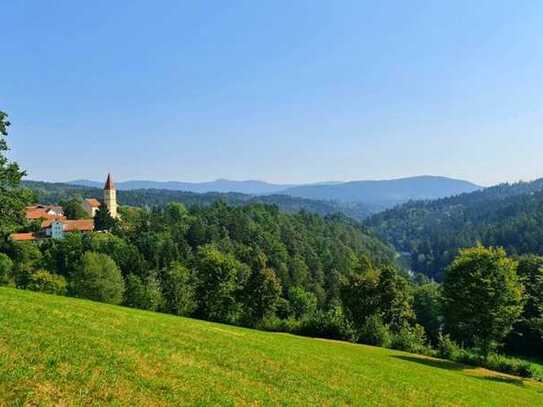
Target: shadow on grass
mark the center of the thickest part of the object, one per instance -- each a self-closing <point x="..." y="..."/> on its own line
<point x="448" y="365"/>
<point x="439" y="363"/>
<point x="501" y="379"/>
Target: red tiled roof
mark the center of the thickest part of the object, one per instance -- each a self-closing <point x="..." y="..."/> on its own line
<point x="81" y="225"/>
<point x="21" y="237"/>
<point x="40" y="212"/>
<point x="109" y="183"/>
<point x="93" y="203"/>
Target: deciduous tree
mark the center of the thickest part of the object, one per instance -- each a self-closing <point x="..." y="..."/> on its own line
<point x="13" y="198"/>
<point x="482" y="296"/>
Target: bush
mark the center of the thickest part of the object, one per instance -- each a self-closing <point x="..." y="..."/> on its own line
<point x="509" y="365"/>
<point x="447" y="348"/>
<point x="331" y="324"/>
<point x="375" y="332"/>
<point x="410" y="339"/>
<point x="274" y="324"/>
<point x="45" y="282"/>
<point x="98" y="278"/>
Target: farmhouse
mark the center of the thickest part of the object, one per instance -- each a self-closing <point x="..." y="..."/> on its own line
<point x="54" y="224"/>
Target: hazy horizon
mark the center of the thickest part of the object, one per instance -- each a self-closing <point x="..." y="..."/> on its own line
<point x="287" y="93"/>
<point x="116" y="180"/>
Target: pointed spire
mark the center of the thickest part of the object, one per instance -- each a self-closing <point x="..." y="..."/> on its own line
<point x="109" y="183"/>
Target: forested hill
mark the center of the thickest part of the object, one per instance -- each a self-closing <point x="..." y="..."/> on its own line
<point x="47" y="192"/>
<point x="508" y="215"/>
<point x="383" y="194"/>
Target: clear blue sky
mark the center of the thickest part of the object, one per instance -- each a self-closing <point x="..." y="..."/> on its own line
<point x="284" y="91"/>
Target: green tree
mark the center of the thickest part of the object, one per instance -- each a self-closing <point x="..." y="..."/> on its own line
<point x="261" y="294"/>
<point x="360" y="294"/>
<point x="73" y="209"/>
<point x="381" y="295"/>
<point x="303" y="304"/>
<point x="482" y="296"/>
<point x="527" y="335"/>
<point x="13" y="198"/>
<point x="427" y="305"/>
<point x="217" y="281"/>
<point x="143" y="293"/>
<point x="178" y="288"/>
<point x="103" y="219"/>
<point x="27" y="258"/>
<point x="135" y="295"/>
<point x="98" y="278"/>
<point x="395" y="299"/>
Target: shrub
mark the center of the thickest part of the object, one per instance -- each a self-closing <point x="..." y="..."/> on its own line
<point x="375" y="332"/>
<point x="98" y="278"/>
<point x="45" y="282"/>
<point x="274" y="324"/>
<point x="410" y="339"/>
<point x="447" y="348"/>
<point x="509" y="365"/>
<point x="331" y="324"/>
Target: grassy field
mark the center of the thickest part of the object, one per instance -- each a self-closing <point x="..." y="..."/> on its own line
<point x="62" y="351"/>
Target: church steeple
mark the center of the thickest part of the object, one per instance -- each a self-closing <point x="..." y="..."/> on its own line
<point x="110" y="197"/>
<point x="109" y="183"/>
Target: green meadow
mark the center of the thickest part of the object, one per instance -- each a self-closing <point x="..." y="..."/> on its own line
<point x="69" y="352"/>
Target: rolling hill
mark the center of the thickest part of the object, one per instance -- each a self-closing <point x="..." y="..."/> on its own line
<point x="385" y="193"/>
<point x="47" y="192"/>
<point x="220" y="185"/>
<point x="376" y="195"/>
<point x="431" y="232"/>
<point x="65" y="351"/>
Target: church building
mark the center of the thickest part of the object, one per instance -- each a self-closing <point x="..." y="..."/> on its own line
<point x="92" y="205"/>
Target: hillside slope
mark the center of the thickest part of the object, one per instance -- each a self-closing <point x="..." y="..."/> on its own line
<point x="508" y="215"/>
<point x="58" y="350"/>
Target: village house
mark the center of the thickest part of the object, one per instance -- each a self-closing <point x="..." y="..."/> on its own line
<point x="54" y="223"/>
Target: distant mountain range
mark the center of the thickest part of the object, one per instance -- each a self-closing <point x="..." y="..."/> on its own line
<point x="251" y="187"/>
<point x="378" y="195"/>
<point x="50" y="193"/>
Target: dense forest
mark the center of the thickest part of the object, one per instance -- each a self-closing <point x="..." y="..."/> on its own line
<point x="50" y="193"/>
<point x="431" y="232"/>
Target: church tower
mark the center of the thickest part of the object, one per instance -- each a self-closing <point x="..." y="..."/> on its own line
<point x="110" y="197"/>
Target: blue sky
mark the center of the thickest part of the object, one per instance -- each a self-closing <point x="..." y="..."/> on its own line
<point x="284" y="91"/>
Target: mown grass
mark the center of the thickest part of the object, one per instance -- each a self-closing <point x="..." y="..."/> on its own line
<point x="58" y="350"/>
